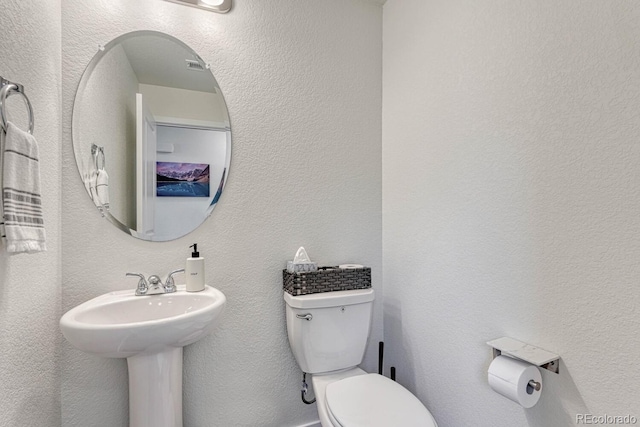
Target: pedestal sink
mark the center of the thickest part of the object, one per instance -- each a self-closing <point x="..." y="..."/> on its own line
<point x="150" y="331"/>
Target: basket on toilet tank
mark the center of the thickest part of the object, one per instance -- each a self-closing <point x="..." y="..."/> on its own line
<point x="326" y="279"/>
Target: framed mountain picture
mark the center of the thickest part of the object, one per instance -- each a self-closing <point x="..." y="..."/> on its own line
<point x="182" y="179"/>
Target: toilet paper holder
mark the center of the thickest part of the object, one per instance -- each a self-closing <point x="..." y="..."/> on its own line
<point x="535" y="385"/>
<point x="529" y="353"/>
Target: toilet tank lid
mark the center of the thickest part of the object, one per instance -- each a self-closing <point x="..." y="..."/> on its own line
<point x="330" y="299"/>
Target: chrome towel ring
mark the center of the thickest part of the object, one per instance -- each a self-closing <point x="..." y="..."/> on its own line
<point x="8" y="89"/>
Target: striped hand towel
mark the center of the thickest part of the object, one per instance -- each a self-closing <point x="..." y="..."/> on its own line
<point x="21" y="198"/>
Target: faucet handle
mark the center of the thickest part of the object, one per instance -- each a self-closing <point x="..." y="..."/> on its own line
<point x="170" y="284"/>
<point x="142" y="283"/>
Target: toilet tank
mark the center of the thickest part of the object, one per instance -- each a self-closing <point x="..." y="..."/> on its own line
<point x="335" y="336"/>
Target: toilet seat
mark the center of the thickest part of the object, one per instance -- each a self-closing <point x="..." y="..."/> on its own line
<point x="372" y="400"/>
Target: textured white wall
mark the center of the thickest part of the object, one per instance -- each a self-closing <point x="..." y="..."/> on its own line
<point x="30" y="284"/>
<point x="302" y="80"/>
<point x="511" y="200"/>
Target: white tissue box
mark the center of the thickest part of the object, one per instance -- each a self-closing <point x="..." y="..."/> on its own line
<point x="301" y="267"/>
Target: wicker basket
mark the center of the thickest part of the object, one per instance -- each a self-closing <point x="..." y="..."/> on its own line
<point x="326" y="279"/>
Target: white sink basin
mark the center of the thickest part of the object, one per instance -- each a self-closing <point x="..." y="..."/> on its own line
<point x="120" y="324"/>
<point x="150" y="331"/>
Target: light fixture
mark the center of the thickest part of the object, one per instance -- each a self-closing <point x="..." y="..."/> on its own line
<point x="220" y="6"/>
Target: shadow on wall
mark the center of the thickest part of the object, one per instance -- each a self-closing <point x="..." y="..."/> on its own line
<point x="393" y="333"/>
<point x="558" y="406"/>
<point x="561" y="403"/>
<point x="4" y="275"/>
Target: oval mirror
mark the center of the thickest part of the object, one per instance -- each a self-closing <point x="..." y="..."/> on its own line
<point x="151" y="135"/>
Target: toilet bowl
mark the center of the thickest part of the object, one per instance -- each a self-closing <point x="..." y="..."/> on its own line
<point x="328" y="334"/>
<point x="354" y="398"/>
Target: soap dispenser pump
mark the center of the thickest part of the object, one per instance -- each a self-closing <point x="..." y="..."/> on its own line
<point x="194" y="270"/>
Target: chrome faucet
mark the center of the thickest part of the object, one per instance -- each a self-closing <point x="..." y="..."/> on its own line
<point x="169" y="284"/>
<point x="142" y="284"/>
<point x="155" y="285"/>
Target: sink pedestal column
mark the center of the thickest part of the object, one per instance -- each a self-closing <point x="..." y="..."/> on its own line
<point x="155" y="389"/>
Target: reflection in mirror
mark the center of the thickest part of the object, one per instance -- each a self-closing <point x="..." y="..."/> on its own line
<point x="151" y="135"/>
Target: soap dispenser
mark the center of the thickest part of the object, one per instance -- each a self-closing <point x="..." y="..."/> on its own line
<point x="194" y="270"/>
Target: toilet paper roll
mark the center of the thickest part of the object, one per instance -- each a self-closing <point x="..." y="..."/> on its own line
<point x="510" y="377"/>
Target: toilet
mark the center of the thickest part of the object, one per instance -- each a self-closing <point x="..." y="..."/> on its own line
<point x="328" y="335"/>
